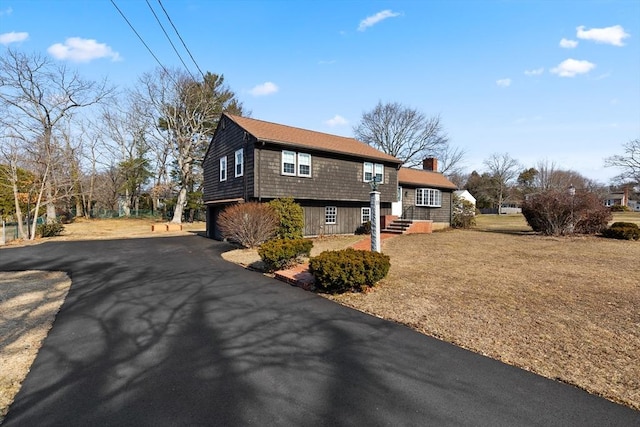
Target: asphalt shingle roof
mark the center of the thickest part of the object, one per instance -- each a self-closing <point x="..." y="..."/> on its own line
<point x="288" y="135"/>
<point x="424" y="178"/>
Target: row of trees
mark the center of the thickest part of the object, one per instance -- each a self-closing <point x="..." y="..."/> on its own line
<point x="71" y="144"/>
<point x="411" y="136"/>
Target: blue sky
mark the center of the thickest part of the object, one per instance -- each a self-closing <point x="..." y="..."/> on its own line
<point x="540" y="80"/>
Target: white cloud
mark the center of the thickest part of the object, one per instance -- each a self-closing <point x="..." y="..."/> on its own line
<point x="503" y="82"/>
<point x="572" y="67"/>
<point x="266" y="88"/>
<point x="337" y="120"/>
<point x="372" y="20"/>
<point x="609" y="35"/>
<point x="329" y="62"/>
<point x="568" y="44"/>
<point x="535" y="72"/>
<point x="13" y="37"/>
<point x="82" y="50"/>
<point x="7" y="11"/>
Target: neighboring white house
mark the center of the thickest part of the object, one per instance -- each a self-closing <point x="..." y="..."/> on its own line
<point x="465" y="195"/>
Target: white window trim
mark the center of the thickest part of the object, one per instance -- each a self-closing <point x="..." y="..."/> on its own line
<point x="223" y="168"/>
<point x="362" y="216"/>
<point x="375" y="172"/>
<point x="302" y="155"/>
<point x="426" y="196"/>
<point x="295" y="166"/>
<point x="239" y="163"/>
<point x="335" y="214"/>
<point x="372" y="168"/>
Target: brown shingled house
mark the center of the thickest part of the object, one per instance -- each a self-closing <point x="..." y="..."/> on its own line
<point x="328" y="175"/>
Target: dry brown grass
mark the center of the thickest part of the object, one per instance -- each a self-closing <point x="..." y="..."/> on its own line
<point x="29" y="301"/>
<point x="566" y="308"/>
<point x="250" y="257"/>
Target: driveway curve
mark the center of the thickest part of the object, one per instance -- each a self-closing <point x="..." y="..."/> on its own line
<point x="164" y="332"/>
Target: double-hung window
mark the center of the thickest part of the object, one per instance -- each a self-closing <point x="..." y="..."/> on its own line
<point x="223" y="168"/>
<point x="288" y="163"/>
<point x="330" y="214"/>
<point x="239" y="162"/>
<point x="304" y="164"/>
<point x="372" y="170"/>
<point x="365" y="215"/>
<point x="296" y="164"/>
<point x="429" y="197"/>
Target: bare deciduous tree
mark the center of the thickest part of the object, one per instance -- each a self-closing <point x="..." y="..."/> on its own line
<point x="403" y="132"/>
<point x="36" y="94"/>
<point x="629" y="162"/>
<point x="502" y="170"/>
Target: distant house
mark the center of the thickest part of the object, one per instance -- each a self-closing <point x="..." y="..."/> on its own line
<point x="616" y="199"/>
<point x="328" y="175"/>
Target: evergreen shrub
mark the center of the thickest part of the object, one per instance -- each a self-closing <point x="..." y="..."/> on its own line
<point x="50" y="230"/>
<point x="278" y="254"/>
<point x="623" y="231"/>
<point x="348" y="270"/>
<point x="291" y="217"/>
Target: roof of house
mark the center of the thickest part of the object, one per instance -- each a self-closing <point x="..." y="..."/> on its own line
<point x="303" y="138"/>
<point x="424" y="178"/>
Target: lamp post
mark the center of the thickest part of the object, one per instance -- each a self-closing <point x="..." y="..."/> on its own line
<point x="572" y="194"/>
<point x="374" y="203"/>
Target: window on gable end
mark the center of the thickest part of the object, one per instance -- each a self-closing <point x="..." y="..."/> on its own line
<point x="239" y="162"/>
<point x="223" y="168"/>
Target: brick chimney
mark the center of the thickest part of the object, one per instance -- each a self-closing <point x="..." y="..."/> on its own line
<point x="430" y="164"/>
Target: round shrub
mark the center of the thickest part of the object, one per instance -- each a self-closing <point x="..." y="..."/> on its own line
<point x="623" y="231"/>
<point x="50" y="230"/>
<point x="279" y="254"/>
<point x="348" y="269"/>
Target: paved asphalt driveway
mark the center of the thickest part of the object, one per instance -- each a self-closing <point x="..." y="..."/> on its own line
<point x="163" y="332"/>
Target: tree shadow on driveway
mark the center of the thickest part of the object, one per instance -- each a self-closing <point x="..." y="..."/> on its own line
<point x="164" y="332"/>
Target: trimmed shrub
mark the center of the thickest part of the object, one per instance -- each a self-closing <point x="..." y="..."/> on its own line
<point x="365" y="228"/>
<point x="50" y="230"/>
<point x="348" y="269"/>
<point x="619" y="208"/>
<point x="279" y="254"/>
<point x="623" y="231"/>
<point x="556" y="213"/>
<point x="291" y="218"/>
<point x="248" y="224"/>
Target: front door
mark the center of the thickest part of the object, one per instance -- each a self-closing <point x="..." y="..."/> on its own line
<point x="396" y="207"/>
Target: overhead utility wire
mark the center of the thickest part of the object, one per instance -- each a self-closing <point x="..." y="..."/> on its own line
<point x="168" y="38"/>
<point x="180" y="37"/>
<point x="140" y="37"/>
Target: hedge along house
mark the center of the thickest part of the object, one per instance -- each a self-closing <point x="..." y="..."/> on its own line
<point x="328" y="175"/>
<point x="424" y="195"/>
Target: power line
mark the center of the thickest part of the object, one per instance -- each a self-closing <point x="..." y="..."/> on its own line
<point x="180" y="37"/>
<point x="168" y="38"/>
<point x="141" y="39"/>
